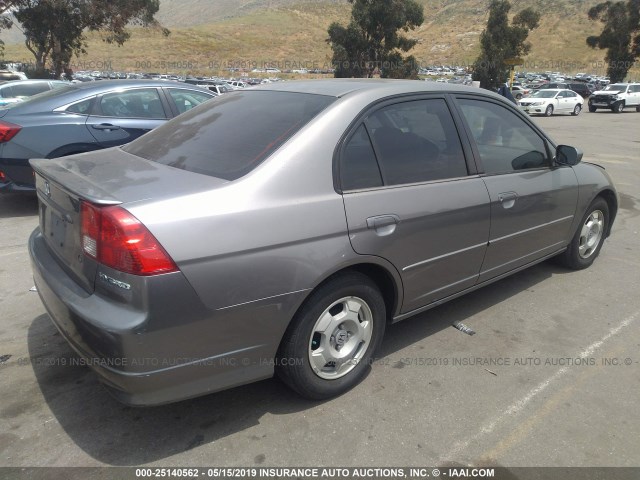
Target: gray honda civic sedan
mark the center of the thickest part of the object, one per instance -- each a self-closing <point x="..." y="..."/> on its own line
<point x="280" y="229"/>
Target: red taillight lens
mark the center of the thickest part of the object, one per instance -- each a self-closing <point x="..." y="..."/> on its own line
<point x="3" y="177"/>
<point x="8" y="131"/>
<point x="118" y="240"/>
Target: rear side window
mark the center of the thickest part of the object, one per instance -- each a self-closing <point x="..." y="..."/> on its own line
<point x="358" y="165"/>
<point x="416" y="141"/>
<point x="138" y="103"/>
<point x="83" y="107"/>
<point x="230" y="135"/>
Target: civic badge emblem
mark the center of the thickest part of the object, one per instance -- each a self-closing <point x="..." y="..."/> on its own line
<point x="47" y="189"/>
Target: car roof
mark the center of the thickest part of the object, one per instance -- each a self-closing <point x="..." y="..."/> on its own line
<point x="106" y="84"/>
<point x="383" y="87"/>
<point x="32" y="81"/>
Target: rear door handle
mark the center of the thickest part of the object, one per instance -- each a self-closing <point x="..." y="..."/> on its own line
<point x="508" y="199"/>
<point x="106" y="126"/>
<point x="383" y="224"/>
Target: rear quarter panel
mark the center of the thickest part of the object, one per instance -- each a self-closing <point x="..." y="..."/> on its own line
<point x="279" y="230"/>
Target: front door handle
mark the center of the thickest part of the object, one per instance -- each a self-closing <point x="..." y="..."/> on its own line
<point x="106" y="126"/>
<point x="383" y="224"/>
<point x="508" y="199"/>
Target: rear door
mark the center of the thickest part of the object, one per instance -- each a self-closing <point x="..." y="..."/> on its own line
<point x="532" y="202"/>
<point x="412" y="197"/>
<point x="123" y="115"/>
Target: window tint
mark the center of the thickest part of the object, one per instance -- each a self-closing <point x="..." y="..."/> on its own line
<point x="505" y="142"/>
<point x="139" y="103"/>
<point x="82" y="108"/>
<point x="29" y="90"/>
<point x="187" y="99"/>
<point x="230" y="136"/>
<point x="416" y="142"/>
<point x="358" y="165"/>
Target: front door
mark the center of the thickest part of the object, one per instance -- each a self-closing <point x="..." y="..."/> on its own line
<point x="532" y="202"/>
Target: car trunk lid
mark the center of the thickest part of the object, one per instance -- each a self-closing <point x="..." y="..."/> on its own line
<point x="107" y="177"/>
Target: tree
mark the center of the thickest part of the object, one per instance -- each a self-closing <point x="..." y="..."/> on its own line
<point x="500" y="41"/>
<point x="55" y="29"/>
<point x="6" y="6"/>
<point x="373" y="40"/>
<point x="620" y="35"/>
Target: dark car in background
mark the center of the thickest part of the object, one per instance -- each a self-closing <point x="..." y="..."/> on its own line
<point x="207" y="255"/>
<point x="581" y="89"/>
<point x="82" y="118"/>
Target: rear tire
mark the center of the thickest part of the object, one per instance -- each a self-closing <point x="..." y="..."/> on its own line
<point x="593" y="109"/>
<point x="330" y="343"/>
<point x="549" y="111"/>
<point x="586" y="243"/>
<point x="576" y="110"/>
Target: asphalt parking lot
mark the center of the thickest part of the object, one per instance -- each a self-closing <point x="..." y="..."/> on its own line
<point x="550" y="378"/>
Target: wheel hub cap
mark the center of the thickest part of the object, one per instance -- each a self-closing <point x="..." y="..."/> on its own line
<point x="591" y="234"/>
<point x="340" y="338"/>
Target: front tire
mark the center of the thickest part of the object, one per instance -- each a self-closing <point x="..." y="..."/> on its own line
<point x="549" y="111"/>
<point x="576" y="110"/>
<point x="586" y="243"/>
<point x="618" y="107"/>
<point x="593" y="109"/>
<point x="330" y="343"/>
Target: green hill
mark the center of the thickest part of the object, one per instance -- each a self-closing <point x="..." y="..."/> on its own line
<point x="293" y="33"/>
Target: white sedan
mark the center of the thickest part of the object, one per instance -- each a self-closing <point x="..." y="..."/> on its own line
<point x="548" y="101"/>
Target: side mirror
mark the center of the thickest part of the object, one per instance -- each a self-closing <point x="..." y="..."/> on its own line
<point x="567" y="155"/>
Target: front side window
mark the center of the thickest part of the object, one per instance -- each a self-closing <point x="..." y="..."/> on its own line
<point x="506" y="143"/>
<point x="416" y="141"/>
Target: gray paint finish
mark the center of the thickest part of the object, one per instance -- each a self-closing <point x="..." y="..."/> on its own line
<point x="251" y="251"/>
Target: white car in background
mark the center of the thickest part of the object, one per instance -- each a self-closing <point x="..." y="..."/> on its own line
<point x="552" y="100"/>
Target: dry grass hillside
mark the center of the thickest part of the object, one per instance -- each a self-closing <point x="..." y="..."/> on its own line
<point x="209" y="35"/>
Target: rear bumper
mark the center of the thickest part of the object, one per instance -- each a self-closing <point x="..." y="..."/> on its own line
<point x="148" y="358"/>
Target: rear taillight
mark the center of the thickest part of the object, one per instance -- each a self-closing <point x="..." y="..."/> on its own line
<point x="117" y="239"/>
<point x="3" y="177"/>
<point x="8" y="131"/>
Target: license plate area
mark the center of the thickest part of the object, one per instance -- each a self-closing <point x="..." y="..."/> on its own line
<point x="58" y="231"/>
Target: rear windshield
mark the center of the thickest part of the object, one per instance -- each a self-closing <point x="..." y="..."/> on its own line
<point x="231" y="135"/>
